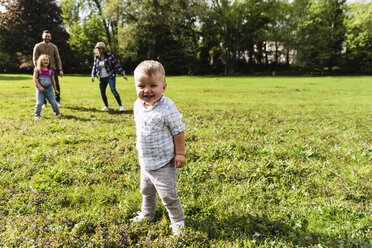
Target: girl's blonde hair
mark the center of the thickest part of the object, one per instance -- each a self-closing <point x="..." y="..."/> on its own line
<point x="38" y="63"/>
<point x="150" y="68"/>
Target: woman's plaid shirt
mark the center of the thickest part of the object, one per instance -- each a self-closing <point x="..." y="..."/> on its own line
<point x="110" y="64"/>
<point x="155" y="129"/>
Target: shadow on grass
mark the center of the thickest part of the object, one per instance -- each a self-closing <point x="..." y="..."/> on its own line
<point x="111" y="111"/>
<point x="114" y="112"/>
<point x="73" y="117"/>
<point x="82" y="109"/>
<point x="262" y="230"/>
<point x="10" y="78"/>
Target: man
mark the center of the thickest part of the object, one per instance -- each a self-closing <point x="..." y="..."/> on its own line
<point x="48" y="48"/>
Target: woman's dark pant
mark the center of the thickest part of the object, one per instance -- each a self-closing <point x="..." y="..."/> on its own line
<point x="103" y="85"/>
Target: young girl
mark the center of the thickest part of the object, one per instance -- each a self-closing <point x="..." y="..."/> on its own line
<point x="44" y="80"/>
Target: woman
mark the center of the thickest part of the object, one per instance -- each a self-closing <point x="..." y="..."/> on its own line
<point x="104" y="68"/>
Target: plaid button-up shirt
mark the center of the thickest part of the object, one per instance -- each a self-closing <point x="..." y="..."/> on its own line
<point x="155" y="129"/>
<point x="110" y="64"/>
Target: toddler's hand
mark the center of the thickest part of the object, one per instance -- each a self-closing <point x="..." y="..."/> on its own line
<point x="179" y="161"/>
<point x="92" y="79"/>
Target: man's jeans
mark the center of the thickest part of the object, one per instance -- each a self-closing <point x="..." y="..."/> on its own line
<point x="58" y="97"/>
<point x="111" y="80"/>
<point x="40" y="98"/>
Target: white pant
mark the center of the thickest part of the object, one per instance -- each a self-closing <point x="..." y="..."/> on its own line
<point x="164" y="182"/>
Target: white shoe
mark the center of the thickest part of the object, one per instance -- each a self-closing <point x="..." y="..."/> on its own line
<point x="105" y="108"/>
<point x="59" y="104"/>
<point x="37" y="117"/>
<point x="121" y="108"/>
<point x="177" y="228"/>
<point x="58" y="115"/>
<point x="43" y="106"/>
<point x="140" y="217"/>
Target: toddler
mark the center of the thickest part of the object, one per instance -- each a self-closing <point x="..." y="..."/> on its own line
<point x="44" y="80"/>
<point x="160" y="144"/>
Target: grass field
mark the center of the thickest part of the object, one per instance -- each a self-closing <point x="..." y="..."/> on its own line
<point x="272" y="162"/>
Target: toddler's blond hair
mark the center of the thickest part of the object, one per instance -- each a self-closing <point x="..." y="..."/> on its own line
<point x="150" y="68"/>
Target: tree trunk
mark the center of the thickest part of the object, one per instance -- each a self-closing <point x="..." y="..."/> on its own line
<point x="105" y="25"/>
<point x="266" y="56"/>
<point x="151" y="54"/>
<point x="287" y="58"/>
<point x="276" y="55"/>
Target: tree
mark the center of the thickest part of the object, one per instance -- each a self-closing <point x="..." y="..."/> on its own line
<point x="90" y="21"/>
<point x="223" y="29"/>
<point x="359" y="37"/>
<point x="21" y="27"/>
<point x="279" y="31"/>
<point x="7" y="63"/>
<point x="163" y="30"/>
<point x="259" y="24"/>
<point x="136" y="30"/>
<point x="320" y="33"/>
<point x="235" y="32"/>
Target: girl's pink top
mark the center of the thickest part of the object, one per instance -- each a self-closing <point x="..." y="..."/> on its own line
<point x="44" y="72"/>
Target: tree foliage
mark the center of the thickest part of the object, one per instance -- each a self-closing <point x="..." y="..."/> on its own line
<point x="88" y="22"/>
<point x="21" y="27"/>
<point x="164" y="30"/>
<point x="233" y="32"/>
<point x="195" y="36"/>
<point x="136" y="30"/>
<point x="359" y="37"/>
<point x="320" y="33"/>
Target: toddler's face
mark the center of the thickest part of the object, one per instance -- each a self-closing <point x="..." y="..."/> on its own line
<point x="149" y="88"/>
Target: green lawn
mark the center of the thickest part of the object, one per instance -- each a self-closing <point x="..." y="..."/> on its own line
<point x="272" y="162"/>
